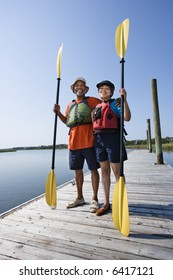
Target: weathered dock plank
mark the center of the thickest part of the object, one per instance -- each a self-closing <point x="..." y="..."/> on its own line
<point x="35" y="231"/>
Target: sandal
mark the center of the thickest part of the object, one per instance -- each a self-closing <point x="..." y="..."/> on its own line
<point x="94" y="206"/>
<point x="75" y="203"/>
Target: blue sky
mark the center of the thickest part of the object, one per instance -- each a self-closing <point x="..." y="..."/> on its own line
<point x="31" y="33"/>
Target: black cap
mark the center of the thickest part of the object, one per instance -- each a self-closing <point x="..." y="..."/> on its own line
<point x="107" y="83"/>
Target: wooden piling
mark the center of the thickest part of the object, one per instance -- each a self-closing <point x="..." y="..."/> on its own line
<point x="156" y="118"/>
<point x="149" y="136"/>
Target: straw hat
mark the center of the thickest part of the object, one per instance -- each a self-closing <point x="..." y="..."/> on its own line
<point x="79" y="79"/>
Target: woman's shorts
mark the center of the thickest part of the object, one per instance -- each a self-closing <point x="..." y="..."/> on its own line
<point x="107" y="147"/>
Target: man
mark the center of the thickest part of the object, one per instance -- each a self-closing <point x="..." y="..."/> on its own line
<point x="81" y="140"/>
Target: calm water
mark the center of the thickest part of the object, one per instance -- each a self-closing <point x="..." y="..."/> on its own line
<point x="23" y="174"/>
<point x="168" y="157"/>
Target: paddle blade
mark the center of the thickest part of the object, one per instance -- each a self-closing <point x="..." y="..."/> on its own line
<point x="51" y="189"/>
<point x="121" y="38"/>
<point x="58" y="64"/>
<point x="120" y="209"/>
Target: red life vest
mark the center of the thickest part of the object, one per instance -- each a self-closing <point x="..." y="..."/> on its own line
<point x="103" y="117"/>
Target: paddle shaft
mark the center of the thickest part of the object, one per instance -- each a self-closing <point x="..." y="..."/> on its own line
<point x="122" y="120"/>
<point x="55" y="126"/>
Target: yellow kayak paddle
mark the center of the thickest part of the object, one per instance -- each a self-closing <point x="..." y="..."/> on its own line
<point x="51" y="179"/>
<point x="120" y="209"/>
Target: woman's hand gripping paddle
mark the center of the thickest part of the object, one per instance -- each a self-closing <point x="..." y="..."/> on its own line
<point x="51" y="179"/>
<point x="120" y="210"/>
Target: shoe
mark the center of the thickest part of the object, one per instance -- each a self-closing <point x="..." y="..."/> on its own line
<point x="75" y="203"/>
<point x="103" y="210"/>
<point x="94" y="206"/>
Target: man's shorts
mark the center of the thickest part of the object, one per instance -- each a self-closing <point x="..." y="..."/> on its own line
<point x="77" y="158"/>
<point x="107" y="147"/>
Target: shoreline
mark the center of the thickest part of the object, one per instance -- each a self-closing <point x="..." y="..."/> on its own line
<point x="165" y="148"/>
<point x="42" y="147"/>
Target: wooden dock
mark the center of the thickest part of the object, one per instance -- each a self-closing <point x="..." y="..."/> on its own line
<point x="35" y="231"/>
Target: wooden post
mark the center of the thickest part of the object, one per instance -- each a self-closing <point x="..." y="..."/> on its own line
<point x="147" y="140"/>
<point x="149" y="136"/>
<point x="156" y="118"/>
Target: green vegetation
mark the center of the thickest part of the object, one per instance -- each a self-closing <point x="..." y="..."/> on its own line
<point x="7" y="150"/>
<point x="167" y="144"/>
<point x="49" y="147"/>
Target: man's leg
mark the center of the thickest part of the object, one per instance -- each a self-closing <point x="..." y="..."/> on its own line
<point x="79" y="183"/>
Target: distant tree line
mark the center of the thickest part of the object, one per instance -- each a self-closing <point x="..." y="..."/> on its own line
<point x="167" y="144"/>
<point x="166" y="140"/>
<point x="42" y="147"/>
